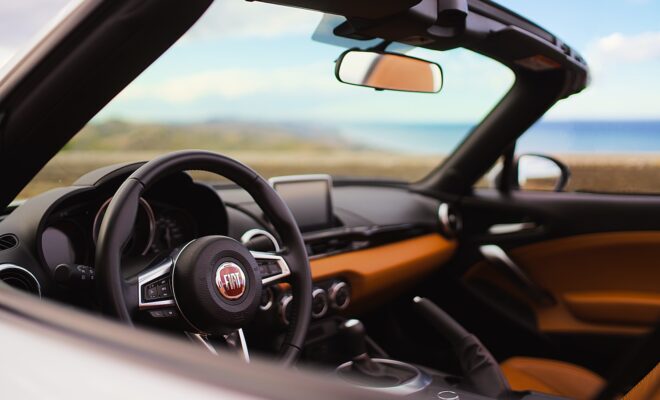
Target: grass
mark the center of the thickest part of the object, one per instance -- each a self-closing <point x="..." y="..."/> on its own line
<point x="611" y="173"/>
<point x="275" y="149"/>
<point x="614" y="173"/>
<point x="68" y="166"/>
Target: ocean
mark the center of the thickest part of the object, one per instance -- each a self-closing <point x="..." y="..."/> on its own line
<point x="623" y="137"/>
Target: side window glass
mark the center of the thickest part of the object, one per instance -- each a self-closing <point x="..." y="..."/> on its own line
<point x="599" y="157"/>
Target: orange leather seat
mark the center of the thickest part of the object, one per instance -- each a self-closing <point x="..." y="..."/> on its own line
<point x="552" y="377"/>
<point x="648" y="388"/>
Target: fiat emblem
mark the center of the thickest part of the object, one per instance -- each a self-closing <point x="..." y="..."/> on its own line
<point x="230" y="281"/>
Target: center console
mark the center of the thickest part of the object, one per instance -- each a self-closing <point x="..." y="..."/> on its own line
<point x="377" y="373"/>
<point x="408" y="380"/>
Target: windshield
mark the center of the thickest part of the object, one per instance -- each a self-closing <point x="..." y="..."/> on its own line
<point x="248" y="81"/>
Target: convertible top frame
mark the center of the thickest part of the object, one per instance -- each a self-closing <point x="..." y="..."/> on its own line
<point x="100" y="49"/>
<point x="546" y="68"/>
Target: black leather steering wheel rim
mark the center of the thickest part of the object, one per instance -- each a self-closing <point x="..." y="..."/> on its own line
<point x="120" y="217"/>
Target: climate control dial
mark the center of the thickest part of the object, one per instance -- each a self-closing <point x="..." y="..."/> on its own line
<point x="284" y="309"/>
<point x="340" y="295"/>
<point x="319" y="303"/>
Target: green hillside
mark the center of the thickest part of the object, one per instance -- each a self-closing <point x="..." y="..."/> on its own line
<point x="218" y="136"/>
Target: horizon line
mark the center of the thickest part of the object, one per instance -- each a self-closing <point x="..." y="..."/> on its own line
<point x="358" y="122"/>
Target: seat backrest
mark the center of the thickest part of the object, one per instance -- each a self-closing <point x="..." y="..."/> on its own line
<point x="648" y="388"/>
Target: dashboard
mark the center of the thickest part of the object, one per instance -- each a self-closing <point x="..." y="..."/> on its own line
<point x="371" y="241"/>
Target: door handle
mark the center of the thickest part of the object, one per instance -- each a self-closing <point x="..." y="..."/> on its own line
<point x="498" y="257"/>
<point x="501" y="229"/>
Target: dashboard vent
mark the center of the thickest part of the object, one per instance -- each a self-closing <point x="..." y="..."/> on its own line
<point x="19" y="278"/>
<point x="329" y="246"/>
<point x="8" y="241"/>
<point x="450" y="220"/>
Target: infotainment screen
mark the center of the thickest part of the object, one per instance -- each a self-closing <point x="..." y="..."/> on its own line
<point x="309" y="198"/>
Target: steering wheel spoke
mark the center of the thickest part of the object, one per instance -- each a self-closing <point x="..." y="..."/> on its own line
<point x="202" y="340"/>
<point x="155" y="286"/>
<point x="273" y="267"/>
<point x="235" y="341"/>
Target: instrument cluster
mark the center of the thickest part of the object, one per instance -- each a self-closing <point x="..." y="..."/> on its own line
<point x="169" y="215"/>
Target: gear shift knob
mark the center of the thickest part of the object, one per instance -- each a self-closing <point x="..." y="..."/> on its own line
<point x="354" y="335"/>
<point x="367" y="371"/>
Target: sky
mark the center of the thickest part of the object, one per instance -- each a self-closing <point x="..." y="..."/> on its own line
<point x="250" y="60"/>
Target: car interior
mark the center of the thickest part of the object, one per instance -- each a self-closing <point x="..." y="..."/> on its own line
<point x="433" y="289"/>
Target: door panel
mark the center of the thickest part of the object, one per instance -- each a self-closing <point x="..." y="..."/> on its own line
<point x="601" y="283"/>
<point x="625" y="308"/>
<point x="585" y="267"/>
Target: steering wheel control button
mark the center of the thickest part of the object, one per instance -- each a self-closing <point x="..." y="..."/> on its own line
<point x="164" y="313"/>
<point x="340" y="295"/>
<point x="230" y="280"/>
<point x="269" y="268"/>
<point x="170" y="313"/>
<point x="158" y="290"/>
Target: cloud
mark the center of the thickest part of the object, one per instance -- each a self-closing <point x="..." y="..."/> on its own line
<point x="617" y="48"/>
<point x="623" y="85"/>
<point x="22" y="20"/>
<point x="252" y="20"/>
<point x="465" y="69"/>
<point x="232" y="83"/>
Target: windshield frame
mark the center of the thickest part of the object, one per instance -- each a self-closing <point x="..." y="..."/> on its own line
<point x="571" y="77"/>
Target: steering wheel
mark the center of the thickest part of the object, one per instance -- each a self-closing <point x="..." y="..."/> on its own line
<point x="212" y="285"/>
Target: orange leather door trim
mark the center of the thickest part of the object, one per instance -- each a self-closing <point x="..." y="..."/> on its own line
<point x="383" y="271"/>
<point x="615" y="307"/>
<point x="620" y="268"/>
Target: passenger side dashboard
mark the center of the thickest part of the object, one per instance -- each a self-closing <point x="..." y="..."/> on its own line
<point x="385" y="238"/>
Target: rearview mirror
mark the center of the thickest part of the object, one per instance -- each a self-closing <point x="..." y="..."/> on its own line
<point x="388" y="71"/>
<point x="541" y="172"/>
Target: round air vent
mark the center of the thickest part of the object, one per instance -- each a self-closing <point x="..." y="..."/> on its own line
<point x="19" y="278"/>
<point x="7" y="241"/>
<point x="260" y="240"/>
<point x="451" y="222"/>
